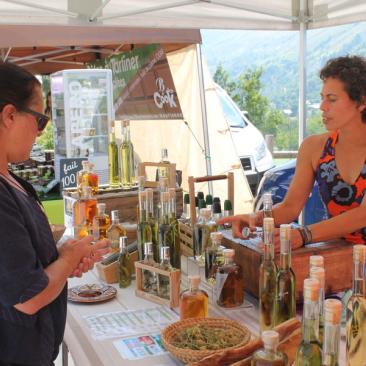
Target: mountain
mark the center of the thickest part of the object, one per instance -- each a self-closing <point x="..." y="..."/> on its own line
<point x="277" y="52"/>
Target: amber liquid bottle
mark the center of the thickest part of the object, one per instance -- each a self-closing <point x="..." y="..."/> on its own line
<point x="84" y="211"/>
<point x="87" y="178"/>
<point x="229" y="282"/>
<point x="115" y="231"/>
<point x="193" y="302"/>
<point x="101" y="223"/>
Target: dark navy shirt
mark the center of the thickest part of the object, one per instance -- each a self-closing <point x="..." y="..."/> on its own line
<point x="26" y="248"/>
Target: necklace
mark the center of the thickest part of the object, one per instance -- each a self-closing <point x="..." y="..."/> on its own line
<point x="13" y="183"/>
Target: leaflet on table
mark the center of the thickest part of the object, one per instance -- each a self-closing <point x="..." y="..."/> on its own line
<point x="140" y="347"/>
<point x="130" y="323"/>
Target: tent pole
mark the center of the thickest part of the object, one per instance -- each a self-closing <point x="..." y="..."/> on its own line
<point x="204" y="114"/>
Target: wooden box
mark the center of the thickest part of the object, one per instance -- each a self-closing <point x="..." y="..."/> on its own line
<point x="174" y="284"/>
<point x="154" y="184"/>
<point x="337" y="263"/>
<point x="186" y="239"/>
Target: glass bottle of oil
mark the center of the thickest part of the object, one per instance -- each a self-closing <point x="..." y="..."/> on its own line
<point x="113" y="159"/>
<point x="115" y="231"/>
<point x="163" y="281"/>
<point x="193" y="302"/>
<point x="124" y="264"/>
<point x="214" y="257"/>
<point x="84" y="211"/>
<point x="149" y="279"/>
<point x="201" y="234"/>
<point x="144" y="234"/>
<point x="165" y="230"/>
<point x="174" y="237"/>
<point x="332" y="332"/>
<point x="267" y="278"/>
<point x="101" y="222"/>
<point x="269" y="355"/>
<point x="229" y="282"/>
<point x="153" y="222"/>
<point x="87" y="178"/>
<point x="128" y="178"/>
<point x="267" y="205"/>
<point x="309" y="352"/>
<point x="228" y="208"/>
<point x="319" y="274"/>
<point x="186" y="208"/>
<point x="163" y="171"/>
<point x="356" y="311"/>
<point x="285" y="307"/>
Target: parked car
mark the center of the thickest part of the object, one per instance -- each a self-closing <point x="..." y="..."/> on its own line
<point x="277" y="181"/>
<point x="248" y="140"/>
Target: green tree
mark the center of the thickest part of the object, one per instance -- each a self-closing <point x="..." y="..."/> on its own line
<point x="46" y="139"/>
<point x="222" y="78"/>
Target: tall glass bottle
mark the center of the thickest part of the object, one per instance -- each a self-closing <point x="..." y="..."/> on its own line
<point x="113" y="159"/>
<point x="153" y="222"/>
<point x="193" y="302"/>
<point x="163" y="171"/>
<point x="309" y="352"/>
<point x="356" y="311"/>
<point x="144" y="234"/>
<point x="115" y="231"/>
<point x="163" y="281"/>
<point x="214" y="256"/>
<point x="267" y="205"/>
<point x="332" y="332"/>
<point x="174" y="240"/>
<point x="101" y="223"/>
<point x="285" y="307"/>
<point x="149" y="279"/>
<point x="229" y="282"/>
<point x="186" y="208"/>
<point x="269" y="356"/>
<point x="124" y="264"/>
<point x="87" y="178"/>
<point x="267" y="278"/>
<point x="201" y="235"/>
<point x="319" y="274"/>
<point x="127" y="175"/>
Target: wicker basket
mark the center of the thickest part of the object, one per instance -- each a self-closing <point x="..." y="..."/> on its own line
<point x="187" y="355"/>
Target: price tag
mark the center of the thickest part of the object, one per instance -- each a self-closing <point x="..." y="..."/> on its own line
<point x="68" y="171"/>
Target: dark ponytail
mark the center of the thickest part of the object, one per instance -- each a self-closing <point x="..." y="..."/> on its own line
<point x="16" y="85"/>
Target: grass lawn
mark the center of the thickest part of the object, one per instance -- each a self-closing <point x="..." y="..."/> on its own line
<point x="55" y="211"/>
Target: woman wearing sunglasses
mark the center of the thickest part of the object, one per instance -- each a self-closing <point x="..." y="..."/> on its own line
<point x="33" y="271"/>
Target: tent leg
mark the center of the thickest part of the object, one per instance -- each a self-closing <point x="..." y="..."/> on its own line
<point x="204" y="115"/>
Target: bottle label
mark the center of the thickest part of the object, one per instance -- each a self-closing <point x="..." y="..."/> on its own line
<point x="220" y="282"/>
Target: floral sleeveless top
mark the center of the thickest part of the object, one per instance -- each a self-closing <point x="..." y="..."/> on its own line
<point x="337" y="195"/>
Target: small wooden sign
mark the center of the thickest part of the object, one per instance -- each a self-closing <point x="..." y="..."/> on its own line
<point x="68" y="171"/>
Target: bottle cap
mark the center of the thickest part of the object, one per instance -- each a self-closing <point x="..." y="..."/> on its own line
<point x="270" y="338"/>
<point x="115" y="215"/>
<point x="123" y="242"/>
<point x="125" y="123"/>
<point x="216" y="236"/>
<point x="332" y="311"/>
<point x="186" y="198"/>
<point x="148" y="248"/>
<point x="216" y="199"/>
<point x="209" y="199"/>
<point x="101" y="207"/>
<point x="201" y="203"/>
<point x="228" y="253"/>
<point x="196" y="201"/>
<point x="227" y="205"/>
<point x="194" y="280"/>
<point x="316" y="261"/>
<point x="200" y="195"/>
<point x="319" y="274"/>
<point x="268" y="224"/>
<point x="285" y="232"/>
<point x="164" y="153"/>
<point x="141" y="181"/>
<point x="165" y="253"/>
<point x="205" y="212"/>
<point x="311" y="289"/>
<point x="216" y="207"/>
<point x="359" y="253"/>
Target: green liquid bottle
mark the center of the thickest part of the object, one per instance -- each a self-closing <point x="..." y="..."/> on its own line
<point x="285" y="307"/>
<point x="153" y="223"/>
<point x="124" y="264"/>
<point x="269" y="356"/>
<point x="128" y="178"/>
<point x="174" y="240"/>
<point x="214" y="257"/>
<point x="332" y="332"/>
<point x="267" y="205"/>
<point x="356" y="311"/>
<point x="319" y="274"/>
<point x="309" y="352"/>
<point x="149" y="279"/>
<point x="267" y="278"/>
<point x="163" y="281"/>
<point x="144" y="234"/>
<point x="113" y="160"/>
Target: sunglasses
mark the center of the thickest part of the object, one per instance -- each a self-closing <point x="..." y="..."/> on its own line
<point x="41" y="119"/>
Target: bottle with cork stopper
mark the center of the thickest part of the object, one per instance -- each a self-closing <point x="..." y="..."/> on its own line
<point x="319" y="274"/>
<point x="316" y="261"/>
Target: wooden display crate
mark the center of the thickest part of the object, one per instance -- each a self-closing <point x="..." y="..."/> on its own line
<point x="153" y="184"/>
<point x="337" y="263"/>
<point x="186" y="239"/>
<point x="174" y="285"/>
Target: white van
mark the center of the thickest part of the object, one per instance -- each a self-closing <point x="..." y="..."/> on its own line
<point x="248" y="141"/>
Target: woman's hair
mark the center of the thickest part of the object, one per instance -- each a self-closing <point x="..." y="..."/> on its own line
<point x="351" y="70"/>
<point x="16" y="85"/>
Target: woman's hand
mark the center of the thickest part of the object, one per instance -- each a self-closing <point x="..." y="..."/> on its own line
<point x="238" y="222"/>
